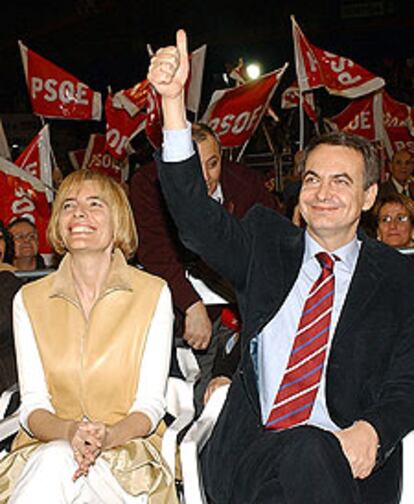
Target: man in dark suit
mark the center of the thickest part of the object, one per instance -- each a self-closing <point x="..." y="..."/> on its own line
<point x="160" y="251"/>
<point x="400" y="179"/>
<point x="341" y="441"/>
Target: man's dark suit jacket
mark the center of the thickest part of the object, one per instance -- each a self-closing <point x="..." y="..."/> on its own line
<point x="370" y="368"/>
<point x="160" y="250"/>
<point x="387" y="188"/>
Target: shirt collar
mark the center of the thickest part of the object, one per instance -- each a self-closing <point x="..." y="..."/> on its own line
<point x="348" y="254"/>
<point x="400" y="188"/>
<point x="218" y="194"/>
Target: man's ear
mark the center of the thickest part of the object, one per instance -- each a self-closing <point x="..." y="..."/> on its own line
<point x="370" y="195"/>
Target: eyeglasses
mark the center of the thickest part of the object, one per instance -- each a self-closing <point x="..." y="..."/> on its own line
<point x="25" y="236"/>
<point x="387" y="219"/>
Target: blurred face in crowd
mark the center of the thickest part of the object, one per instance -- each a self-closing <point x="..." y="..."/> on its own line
<point x="210" y="158"/>
<point x="333" y="195"/>
<point x="26" y="240"/>
<point x="394" y="225"/>
<point x="85" y="222"/>
<point x="2" y="247"/>
<point x="402" y="166"/>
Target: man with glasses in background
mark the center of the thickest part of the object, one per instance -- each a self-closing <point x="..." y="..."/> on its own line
<point x="26" y="245"/>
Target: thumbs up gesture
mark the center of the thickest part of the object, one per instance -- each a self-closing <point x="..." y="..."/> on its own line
<point x="169" y="68"/>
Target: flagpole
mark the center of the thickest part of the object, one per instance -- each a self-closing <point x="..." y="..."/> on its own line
<point x="301" y="120"/>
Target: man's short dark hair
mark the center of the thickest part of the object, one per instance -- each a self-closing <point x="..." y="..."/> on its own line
<point x="355" y="142"/>
<point x="201" y="131"/>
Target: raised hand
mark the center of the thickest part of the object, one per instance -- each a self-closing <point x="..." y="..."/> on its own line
<point x="169" y="68"/>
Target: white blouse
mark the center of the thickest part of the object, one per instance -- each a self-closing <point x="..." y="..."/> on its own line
<point x="155" y="364"/>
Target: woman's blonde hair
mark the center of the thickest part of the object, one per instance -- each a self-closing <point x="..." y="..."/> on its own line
<point x="125" y="233"/>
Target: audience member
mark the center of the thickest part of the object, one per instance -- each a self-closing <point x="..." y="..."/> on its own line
<point x="93" y="345"/>
<point x="292" y="187"/>
<point x="26" y="245"/>
<point x="395" y="220"/>
<point x="9" y="286"/>
<point x="400" y="179"/>
<point x="198" y="293"/>
<point x="324" y="391"/>
<point x="6" y="248"/>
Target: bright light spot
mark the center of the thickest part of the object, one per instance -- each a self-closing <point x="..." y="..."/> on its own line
<point x="253" y="70"/>
<point x="226" y="78"/>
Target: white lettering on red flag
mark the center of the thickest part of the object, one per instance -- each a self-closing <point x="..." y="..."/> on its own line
<point x="235" y="113"/>
<point x="36" y="159"/>
<point x="56" y="93"/>
<point x="399" y="124"/>
<point x="357" y="118"/>
<point x="340" y="76"/>
<point x="23" y="195"/>
<point x="98" y="159"/>
<point x="121" y="127"/>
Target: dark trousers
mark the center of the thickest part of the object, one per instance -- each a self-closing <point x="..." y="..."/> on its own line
<point x="304" y="465"/>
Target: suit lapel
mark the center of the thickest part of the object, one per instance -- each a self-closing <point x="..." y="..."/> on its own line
<point x="291" y="252"/>
<point x="285" y="269"/>
<point x="364" y="286"/>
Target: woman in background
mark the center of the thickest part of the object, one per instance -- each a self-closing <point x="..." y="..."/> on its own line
<point x="395" y="220"/>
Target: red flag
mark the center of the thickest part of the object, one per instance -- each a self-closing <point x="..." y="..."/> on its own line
<point x="96" y="158"/>
<point x="23" y="195"/>
<point x="379" y="117"/>
<point x="134" y="99"/>
<point x="121" y="127"/>
<point x="359" y="118"/>
<point x="399" y="124"/>
<point x="36" y="160"/>
<point x="76" y="158"/>
<point x="340" y="76"/>
<point x="290" y="99"/>
<point x="55" y="92"/>
<point x="235" y="113"/>
<point x="153" y="124"/>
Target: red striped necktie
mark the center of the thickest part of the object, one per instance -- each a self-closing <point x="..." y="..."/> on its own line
<point x="296" y="395"/>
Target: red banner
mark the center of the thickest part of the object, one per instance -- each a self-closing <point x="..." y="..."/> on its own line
<point x="234" y="114"/>
<point x="340" y="76"/>
<point x="23" y="195"/>
<point x="98" y="159"/>
<point x="398" y="123"/>
<point x="291" y="99"/>
<point x="358" y="118"/>
<point x="36" y="159"/>
<point x="121" y="127"/>
<point x="55" y="92"/>
<point x="379" y="117"/>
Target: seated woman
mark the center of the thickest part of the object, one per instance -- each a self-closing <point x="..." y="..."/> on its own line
<point x="395" y="220"/>
<point x="93" y="344"/>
